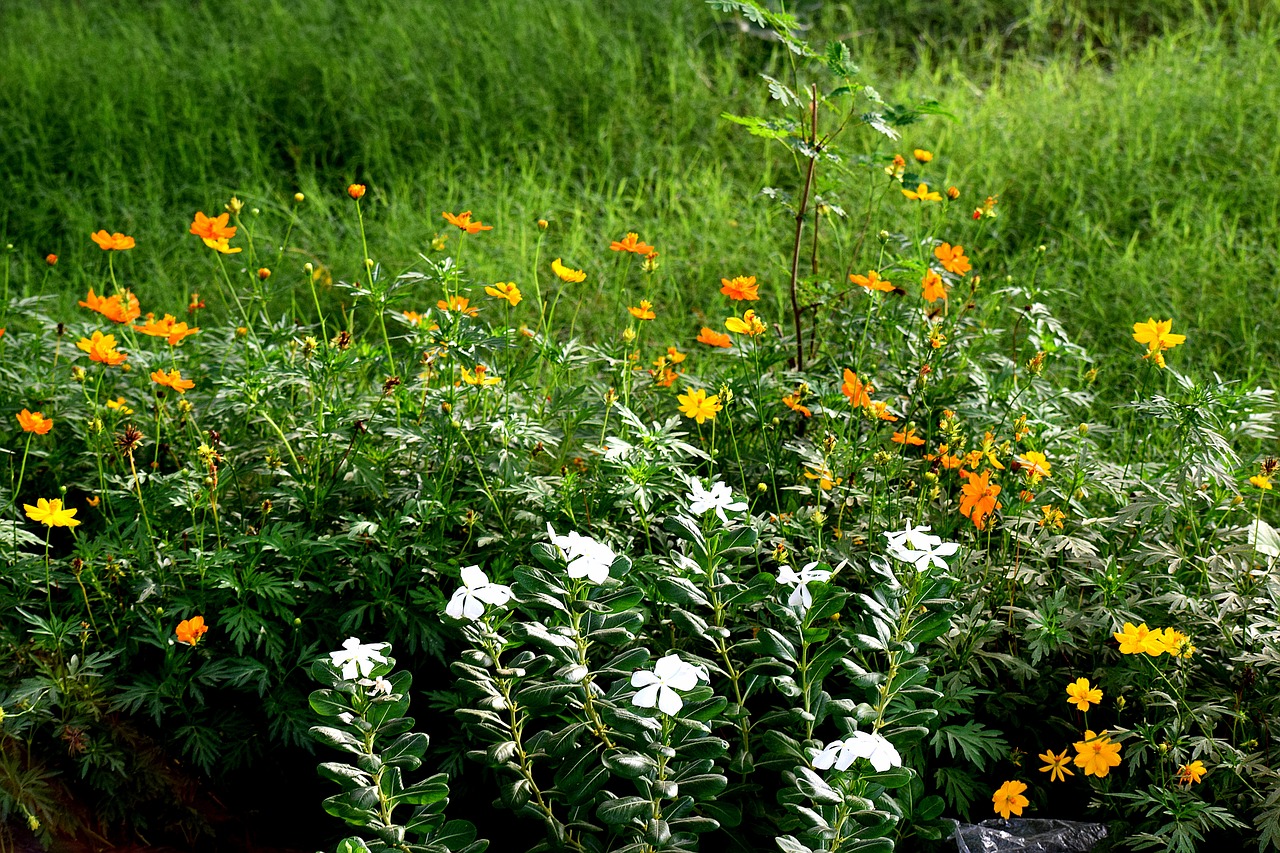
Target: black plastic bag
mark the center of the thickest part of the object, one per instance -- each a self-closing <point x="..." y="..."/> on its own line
<point x="1028" y="836"/>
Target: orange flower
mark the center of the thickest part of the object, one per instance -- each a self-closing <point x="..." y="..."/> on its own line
<point x="922" y="193"/>
<point x="644" y="311"/>
<point x="222" y="246"/>
<point x="872" y="281"/>
<point x="675" y="356"/>
<point x="712" y="338"/>
<point x="740" y="288"/>
<point x="907" y="437"/>
<point x="356" y="191"/>
<point x="102" y="348"/>
<point x="631" y="243"/>
<point x="896" y="169"/>
<point x="856" y="390"/>
<point x="922" y="156"/>
<point x="34" y="422"/>
<point x="51" y="259"/>
<point x="1096" y="754"/>
<point x="749" y="324"/>
<point x="169" y="328"/>
<point x="953" y="258"/>
<point x="93" y="501"/>
<point x="263" y="274"/>
<point x="978" y="498"/>
<point x="953" y="193"/>
<point x="173" y="379"/>
<point x="567" y="273"/>
<point x="792" y="402"/>
<point x="461" y="304"/>
<point x="1008" y="799"/>
<point x="479" y="377"/>
<point x="190" y="631"/>
<point x="463" y="221"/>
<point x="507" y="291"/>
<point x="121" y="308"/>
<point x="215" y="228"/>
<point x="413" y="318"/>
<point x="117" y="241"/>
<point x="880" y="409"/>
<point x="934" y="288"/>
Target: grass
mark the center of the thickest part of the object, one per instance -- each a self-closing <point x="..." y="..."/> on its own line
<point x="1135" y="143"/>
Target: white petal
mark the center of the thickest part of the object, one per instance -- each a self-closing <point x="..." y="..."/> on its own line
<point x="827" y="757"/>
<point x="669" y="701"/>
<point x="494" y="593"/>
<point x="644" y="678"/>
<point x="455" y="606"/>
<point x="648" y="697"/>
<point x="473" y="577"/>
<point x="472" y="608"/>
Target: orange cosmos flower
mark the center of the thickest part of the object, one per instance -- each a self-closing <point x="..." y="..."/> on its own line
<point x="222" y="246"/>
<point x="507" y="291"/>
<point x="121" y="308"/>
<point x="479" y="377"/>
<point x="413" y="318"/>
<point x="102" y="348"/>
<point x="93" y="501"/>
<point x="712" y="338"/>
<point x="173" y="379"/>
<point x="823" y="475"/>
<point x="1056" y="765"/>
<point x="644" y="311"/>
<point x="1082" y="694"/>
<point x="749" y="324"/>
<point x="567" y="273"/>
<point x="215" y="228"/>
<point x="51" y="259"/>
<point x="896" y="169"/>
<point x="1193" y="772"/>
<point x="953" y="193"/>
<point x="922" y="193"/>
<point x="263" y="274"/>
<point x="880" y="409"/>
<point x="740" y="288"/>
<point x="978" y="498"/>
<point x="953" y="258"/>
<point x="108" y="242"/>
<point x="631" y="243"/>
<point x="461" y="304"/>
<point x="675" y="356"/>
<point x="872" y="281"/>
<point x="792" y="402"/>
<point x="169" y="328"/>
<point x="907" y="437"/>
<point x="356" y="191"/>
<point x="1008" y="799"/>
<point x="190" y="631"/>
<point x="463" y="221"/>
<point x="934" y="287"/>
<point x="34" y="422"/>
<point x="1096" y="754"/>
<point x="856" y="390"/>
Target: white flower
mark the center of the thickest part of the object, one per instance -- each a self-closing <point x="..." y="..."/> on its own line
<point x="873" y="747"/>
<point x="469" y="599"/>
<point x="359" y="659"/>
<point x="917" y="546"/>
<point x="659" y="687"/>
<point x="720" y="498"/>
<point x="800" y="597"/>
<point x="911" y="537"/>
<point x="585" y="556"/>
<point x="380" y="686"/>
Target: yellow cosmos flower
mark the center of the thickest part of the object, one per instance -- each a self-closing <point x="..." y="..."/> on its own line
<point x="1193" y="772"/>
<point x="1056" y="766"/>
<point x="507" y="291"/>
<point x="567" y="273"/>
<point x="1262" y="481"/>
<point x="479" y="377"/>
<point x="644" y="311"/>
<point x="51" y="513"/>
<point x="922" y="193"/>
<point x="1035" y="464"/>
<point x="220" y="245"/>
<point x="1096" y="754"/>
<point x="696" y="404"/>
<point x="1082" y="695"/>
<point x="749" y="324"/>
<point x="1008" y="799"/>
<point x="1140" y="640"/>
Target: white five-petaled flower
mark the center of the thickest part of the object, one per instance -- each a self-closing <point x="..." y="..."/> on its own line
<point x="585" y="557"/>
<point x="380" y="686"/>
<point x="917" y="546"/>
<point x="800" y="597"/>
<point x="659" y="687"/>
<point x="358" y="659"/>
<point x="873" y="747"/>
<point x="469" y="599"/>
<point x="719" y="498"/>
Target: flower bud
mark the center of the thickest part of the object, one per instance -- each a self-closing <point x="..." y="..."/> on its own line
<point x="953" y="193"/>
<point x="299" y="197"/>
<point x="542" y="224"/>
<point x="264" y="274"/>
<point x="356" y="191"/>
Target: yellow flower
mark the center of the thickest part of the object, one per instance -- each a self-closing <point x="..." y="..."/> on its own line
<point x="479" y="377"/>
<point x="507" y="291"/>
<point x="1035" y="464"/>
<point x="221" y="245"/>
<point x="1193" y="772"/>
<point x="1096" y="754"/>
<point x="922" y="156"/>
<point x="50" y="513"/>
<point x="1157" y="336"/>
<point x="1056" y="766"/>
<point x="1140" y="640"/>
<point x="1008" y="799"/>
<point x="1262" y="481"/>
<point x="1080" y="694"/>
<point x="644" y="311"/>
<point x="118" y="404"/>
<point x="1053" y="517"/>
<point x="749" y="324"/>
<point x="567" y="273"/>
<point x="697" y="405"/>
<point x="1178" y="644"/>
<point x="922" y="193"/>
<point x="823" y="475"/>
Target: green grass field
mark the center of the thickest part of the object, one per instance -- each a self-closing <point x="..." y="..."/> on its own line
<point x="1136" y="143"/>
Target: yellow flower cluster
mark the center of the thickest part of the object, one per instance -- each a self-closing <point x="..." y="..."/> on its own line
<point x="1155" y="642"/>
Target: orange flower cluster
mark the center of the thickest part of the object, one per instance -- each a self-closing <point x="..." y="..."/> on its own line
<point x="121" y="308"/>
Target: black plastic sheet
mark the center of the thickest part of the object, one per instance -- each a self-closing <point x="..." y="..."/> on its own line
<point x="1028" y="836"/>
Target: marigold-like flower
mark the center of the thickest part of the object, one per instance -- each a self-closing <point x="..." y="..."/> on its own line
<point x="356" y="191"/>
<point x="213" y="228"/>
<point x="466" y="223"/>
<point x="1140" y="640"/>
<point x="173" y="379"/>
<point x="34" y="422"/>
<point x="1097" y="754"/>
<point x="696" y="404"/>
<point x="952" y="258"/>
<point x="567" y="274"/>
<point x="740" y="288"/>
<point x="978" y="498"/>
<point x="102" y="348"/>
<point x="112" y="242"/>
<point x="856" y="390"/>
<point x="190" y="631"/>
<point x="749" y="324"/>
<point x="1191" y="773"/>
<point x="934" y="288"/>
<point x="871" y="281"/>
<point x="712" y="338"/>
<point x="121" y="308"/>
<point x="1082" y="695"/>
<point x="631" y="243"/>
<point x="1052" y="517"/>
<point x="644" y="311"/>
<point x="922" y="193"/>
<point x="169" y="327"/>
<point x="1056" y="766"/>
<point x="907" y="437"/>
<point x="51" y="513"/>
<point x="505" y="290"/>
<point x="1008" y="799"/>
<point x="461" y="304"/>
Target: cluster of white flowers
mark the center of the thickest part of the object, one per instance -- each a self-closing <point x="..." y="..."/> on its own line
<point x="718" y="499"/>
<point x="800" y="598"/>
<point x="659" y="687"/>
<point x="469" y="600"/>
<point x="585" y="557"/>
<point x="842" y="753"/>
<point x="920" y="548"/>
<point x="358" y="659"/>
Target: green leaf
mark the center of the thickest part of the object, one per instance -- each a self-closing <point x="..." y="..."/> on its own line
<point x="344" y="774"/>
<point x="773" y="643"/>
<point x="629" y="765"/>
<point x="327" y="703"/>
<point x="406" y="751"/>
<point x="764" y="128"/>
<point x="338" y="738"/>
<point x="426" y="792"/>
<point x="972" y="739"/>
<point x="352" y="845"/>
<point x="623" y="810"/>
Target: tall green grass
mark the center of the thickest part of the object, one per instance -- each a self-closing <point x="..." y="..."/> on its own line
<point x="1136" y="143"/>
